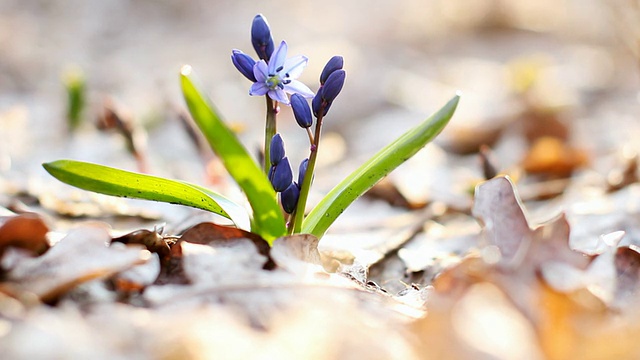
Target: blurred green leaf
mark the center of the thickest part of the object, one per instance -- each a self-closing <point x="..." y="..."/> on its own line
<point x="116" y="182"/>
<point x="267" y="217"/>
<point x="75" y="84"/>
<point x="372" y="171"/>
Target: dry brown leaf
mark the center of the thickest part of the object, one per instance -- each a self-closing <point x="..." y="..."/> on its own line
<point x="25" y="231"/>
<point x="554" y="157"/>
<point x="505" y="227"/>
<point x="207" y="232"/>
<point x="81" y="256"/>
<point x="297" y="253"/>
<point x="153" y="241"/>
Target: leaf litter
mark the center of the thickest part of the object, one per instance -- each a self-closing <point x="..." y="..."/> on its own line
<point x="457" y="276"/>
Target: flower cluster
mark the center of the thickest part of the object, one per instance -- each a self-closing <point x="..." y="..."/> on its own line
<point x="274" y="76"/>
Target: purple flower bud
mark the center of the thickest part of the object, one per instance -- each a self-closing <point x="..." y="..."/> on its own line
<point x="272" y="169"/>
<point x="335" y="63"/>
<point x="302" y="171"/>
<point x="333" y="85"/>
<point x="282" y="175"/>
<point x="261" y="37"/>
<point x="301" y="110"/>
<point x="317" y="103"/>
<point x="289" y="198"/>
<point x="276" y="151"/>
<point x="244" y="63"/>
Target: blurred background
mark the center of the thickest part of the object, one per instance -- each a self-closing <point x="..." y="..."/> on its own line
<point x="576" y="60"/>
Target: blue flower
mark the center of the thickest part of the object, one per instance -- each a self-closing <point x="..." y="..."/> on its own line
<point x="278" y="78"/>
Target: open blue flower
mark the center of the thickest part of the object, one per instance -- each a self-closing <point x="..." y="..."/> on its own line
<point x="278" y="78"/>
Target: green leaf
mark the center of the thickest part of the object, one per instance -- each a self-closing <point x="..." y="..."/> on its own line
<point x="372" y="171"/>
<point x="116" y="182"/>
<point x="267" y="217"/>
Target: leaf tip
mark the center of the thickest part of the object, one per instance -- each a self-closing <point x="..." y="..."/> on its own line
<point x="186" y="70"/>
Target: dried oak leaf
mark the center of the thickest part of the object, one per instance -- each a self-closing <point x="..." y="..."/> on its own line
<point x="25" y="231"/>
<point x="152" y="240"/>
<point x="207" y="233"/>
<point x="512" y="254"/>
<point x="511" y="242"/>
<point x="81" y="256"/>
<point x="297" y="254"/>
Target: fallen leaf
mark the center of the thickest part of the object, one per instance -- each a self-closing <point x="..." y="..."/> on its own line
<point x="297" y="254"/>
<point x="81" y="256"/>
<point x="25" y="231"/>
<point x="552" y="156"/>
<point x="207" y="232"/>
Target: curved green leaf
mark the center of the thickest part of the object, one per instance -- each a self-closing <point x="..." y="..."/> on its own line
<point x="111" y="181"/>
<point x="267" y="217"/>
<point x="381" y="164"/>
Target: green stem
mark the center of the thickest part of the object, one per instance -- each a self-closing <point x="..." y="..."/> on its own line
<point x="291" y="222"/>
<point x="306" y="183"/>
<point x="269" y="132"/>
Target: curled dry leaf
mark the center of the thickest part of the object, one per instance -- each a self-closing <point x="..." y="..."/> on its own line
<point x="26" y="231"/>
<point x="505" y="226"/>
<point x="153" y="241"/>
<point x="81" y="256"/>
<point x="207" y="232"/>
<point x="297" y="254"/>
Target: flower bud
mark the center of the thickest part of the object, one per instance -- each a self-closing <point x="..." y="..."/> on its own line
<point x="333" y="85"/>
<point x="302" y="171"/>
<point x="335" y="63"/>
<point x="276" y="151"/>
<point x="272" y="169"/>
<point x="282" y="175"/>
<point x="317" y="103"/>
<point x="301" y="110"/>
<point x="289" y="198"/>
<point x="261" y="37"/>
<point x="244" y="63"/>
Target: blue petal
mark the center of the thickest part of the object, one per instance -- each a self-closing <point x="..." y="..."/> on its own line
<point x="279" y="95"/>
<point x="294" y="66"/>
<point x="260" y="71"/>
<point x="258" y="88"/>
<point x="278" y="58"/>
<point x="296" y="87"/>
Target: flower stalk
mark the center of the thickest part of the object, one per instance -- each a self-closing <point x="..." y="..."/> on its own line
<point x="295" y="222"/>
<point x="270" y="130"/>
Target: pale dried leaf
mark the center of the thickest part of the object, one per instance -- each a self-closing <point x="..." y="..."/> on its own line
<point x="81" y="256"/>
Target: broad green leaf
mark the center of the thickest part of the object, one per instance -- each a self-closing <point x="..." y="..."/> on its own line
<point x="372" y="171"/>
<point x="116" y="182"/>
<point x="267" y="217"/>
